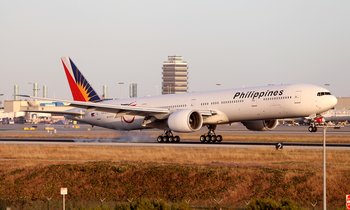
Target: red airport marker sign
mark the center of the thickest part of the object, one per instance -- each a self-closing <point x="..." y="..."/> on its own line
<point x="64" y="191"/>
<point x="348" y="201"/>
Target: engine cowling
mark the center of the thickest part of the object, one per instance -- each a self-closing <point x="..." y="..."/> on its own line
<point x="185" y="121"/>
<point x="260" y="125"/>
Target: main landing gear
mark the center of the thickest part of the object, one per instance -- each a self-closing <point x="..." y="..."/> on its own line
<point x="211" y="136"/>
<point x="168" y="137"/>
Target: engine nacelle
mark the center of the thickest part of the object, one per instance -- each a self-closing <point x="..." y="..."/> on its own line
<point x="185" y="121"/>
<point x="260" y="125"/>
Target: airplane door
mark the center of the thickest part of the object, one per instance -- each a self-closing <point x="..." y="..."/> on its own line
<point x="254" y="102"/>
<point x="297" y="97"/>
<point x="193" y="103"/>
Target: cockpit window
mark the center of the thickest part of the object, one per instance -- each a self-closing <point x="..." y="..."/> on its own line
<point x="323" y="93"/>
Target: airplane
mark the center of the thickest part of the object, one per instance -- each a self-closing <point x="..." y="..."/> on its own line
<point x="340" y="116"/>
<point x="257" y="108"/>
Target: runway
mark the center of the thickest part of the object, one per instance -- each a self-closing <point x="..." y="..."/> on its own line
<point x="151" y="142"/>
<point x="182" y="144"/>
<point x="236" y="128"/>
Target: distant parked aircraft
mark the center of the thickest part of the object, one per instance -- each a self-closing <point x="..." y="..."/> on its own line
<point x="337" y="116"/>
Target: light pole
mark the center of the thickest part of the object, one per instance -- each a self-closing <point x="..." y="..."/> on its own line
<point x="217" y="86"/>
<point x="327" y="85"/>
<point x="157" y="89"/>
<point x="1" y="101"/>
<point x="324" y="165"/>
<point x="121" y="83"/>
<point x="324" y="168"/>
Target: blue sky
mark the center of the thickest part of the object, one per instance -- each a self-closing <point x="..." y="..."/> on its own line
<point x="234" y="43"/>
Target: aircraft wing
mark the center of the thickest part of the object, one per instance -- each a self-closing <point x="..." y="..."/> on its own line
<point x="110" y="108"/>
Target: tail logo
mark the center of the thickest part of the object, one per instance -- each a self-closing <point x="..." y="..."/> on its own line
<point x="80" y="87"/>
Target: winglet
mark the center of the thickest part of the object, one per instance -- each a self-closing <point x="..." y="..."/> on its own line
<point x="26" y="96"/>
<point x="79" y="86"/>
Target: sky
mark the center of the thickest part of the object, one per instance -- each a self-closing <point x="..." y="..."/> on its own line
<point x="234" y="43"/>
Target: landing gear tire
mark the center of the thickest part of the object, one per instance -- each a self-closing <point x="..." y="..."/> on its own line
<point x="312" y="129"/>
<point x="213" y="138"/>
<point x="202" y="138"/>
<point x="165" y="139"/>
<point x="218" y="138"/>
<point x="207" y="138"/>
<point x="160" y="139"/>
<point x="177" y="139"/>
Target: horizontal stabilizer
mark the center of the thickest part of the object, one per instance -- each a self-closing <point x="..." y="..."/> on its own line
<point x="57" y="112"/>
<point x="110" y="108"/>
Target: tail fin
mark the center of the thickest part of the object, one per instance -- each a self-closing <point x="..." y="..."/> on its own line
<point x="80" y="87"/>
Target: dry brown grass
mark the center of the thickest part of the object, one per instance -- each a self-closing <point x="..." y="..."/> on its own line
<point x="255" y="167"/>
<point x="14" y="156"/>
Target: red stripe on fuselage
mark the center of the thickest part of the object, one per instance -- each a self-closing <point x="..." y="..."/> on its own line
<point x="77" y="95"/>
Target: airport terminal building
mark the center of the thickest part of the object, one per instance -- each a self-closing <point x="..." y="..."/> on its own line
<point x="174" y="75"/>
<point x="19" y="111"/>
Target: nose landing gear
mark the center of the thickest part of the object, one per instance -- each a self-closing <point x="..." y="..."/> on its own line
<point x="312" y="128"/>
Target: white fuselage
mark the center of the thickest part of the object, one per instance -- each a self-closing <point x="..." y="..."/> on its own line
<point x="225" y="106"/>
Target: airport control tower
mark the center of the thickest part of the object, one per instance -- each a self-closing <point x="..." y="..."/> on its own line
<point x="174" y="75"/>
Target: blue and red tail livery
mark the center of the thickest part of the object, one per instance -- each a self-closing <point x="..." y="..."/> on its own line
<point x="80" y="87"/>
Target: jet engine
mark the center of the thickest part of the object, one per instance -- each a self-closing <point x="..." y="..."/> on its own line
<point x="260" y="125"/>
<point x="185" y="121"/>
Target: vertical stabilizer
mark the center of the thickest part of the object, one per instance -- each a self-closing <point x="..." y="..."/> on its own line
<point x="80" y="87"/>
